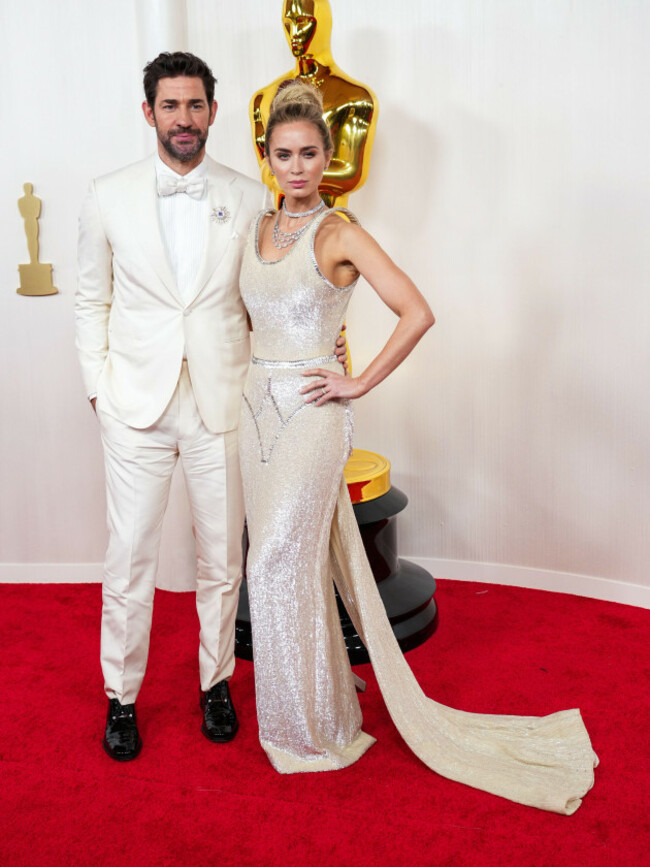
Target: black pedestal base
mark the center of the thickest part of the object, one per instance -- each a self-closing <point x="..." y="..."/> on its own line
<point x="405" y="588"/>
<point x="411" y="609"/>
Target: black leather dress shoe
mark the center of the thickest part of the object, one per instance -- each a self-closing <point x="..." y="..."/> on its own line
<point x="219" y="718"/>
<point x="121" y="741"/>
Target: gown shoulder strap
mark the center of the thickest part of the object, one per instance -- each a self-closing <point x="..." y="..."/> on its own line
<point x="266" y="212"/>
<point x="347" y="215"/>
<point x="254" y="228"/>
<point x="350" y="217"/>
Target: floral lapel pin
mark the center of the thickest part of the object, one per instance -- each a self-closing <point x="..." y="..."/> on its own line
<point x="220" y="214"/>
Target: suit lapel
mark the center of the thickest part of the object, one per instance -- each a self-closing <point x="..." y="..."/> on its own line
<point x="224" y="200"/>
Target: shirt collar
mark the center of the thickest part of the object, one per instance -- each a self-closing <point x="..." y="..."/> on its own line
<point x="197" y="173"/>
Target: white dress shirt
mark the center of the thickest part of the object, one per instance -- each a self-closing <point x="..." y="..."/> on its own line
<point x="183" y="225"/>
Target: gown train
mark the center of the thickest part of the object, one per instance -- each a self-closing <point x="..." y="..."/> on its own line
<point x="304" y="538"/>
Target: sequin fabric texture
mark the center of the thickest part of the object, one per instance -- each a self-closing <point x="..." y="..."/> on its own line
<point x="303" y="536"/>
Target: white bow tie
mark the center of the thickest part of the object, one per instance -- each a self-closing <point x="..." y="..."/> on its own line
<point x="168" y="186"/>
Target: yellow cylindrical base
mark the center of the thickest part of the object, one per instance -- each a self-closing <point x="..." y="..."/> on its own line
<point x="367" y="475"/>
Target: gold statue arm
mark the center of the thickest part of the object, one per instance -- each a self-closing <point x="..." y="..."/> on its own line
<point x="30" y="210"/>
<point x="31" y="230"/>
<point x="258" y="126"/>
<point x="259" y="133"/>
<point x="350" y="127"/>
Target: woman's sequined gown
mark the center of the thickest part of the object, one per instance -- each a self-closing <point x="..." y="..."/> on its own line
<point x="303" y="536"/>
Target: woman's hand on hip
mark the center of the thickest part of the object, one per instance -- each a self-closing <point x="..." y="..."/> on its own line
<point x="331" y="386"/>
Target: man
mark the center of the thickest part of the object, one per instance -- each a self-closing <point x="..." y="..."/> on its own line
<point x="163" y="341"/>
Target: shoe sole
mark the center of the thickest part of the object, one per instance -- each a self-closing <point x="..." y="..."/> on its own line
<point x="117" y="758"/>
<point x="220" y="739"/>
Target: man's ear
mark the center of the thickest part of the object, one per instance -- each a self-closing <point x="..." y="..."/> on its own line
<point x="147" y="111"/>
<point x="213" y="111"/>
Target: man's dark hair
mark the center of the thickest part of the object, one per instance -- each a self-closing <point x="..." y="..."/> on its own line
<point x="171" y="65"/>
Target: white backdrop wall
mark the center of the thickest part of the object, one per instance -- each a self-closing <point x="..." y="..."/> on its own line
<point x="508" y="177"/>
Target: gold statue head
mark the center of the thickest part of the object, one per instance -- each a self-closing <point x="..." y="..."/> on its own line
<point x="28" y="188"/>
<point x="308" y="26"/>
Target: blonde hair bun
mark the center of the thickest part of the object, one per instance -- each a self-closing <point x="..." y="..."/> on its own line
<point x="295" y="91"/>
<point x="297" y="100"/>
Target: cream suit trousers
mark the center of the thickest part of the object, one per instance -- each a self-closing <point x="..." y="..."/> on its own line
<point x="139" y="467"/>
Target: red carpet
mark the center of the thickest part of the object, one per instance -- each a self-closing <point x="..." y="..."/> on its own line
<point x="187" y="801"/>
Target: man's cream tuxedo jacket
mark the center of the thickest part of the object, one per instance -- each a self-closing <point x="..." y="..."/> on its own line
<point x="132" y="324"/>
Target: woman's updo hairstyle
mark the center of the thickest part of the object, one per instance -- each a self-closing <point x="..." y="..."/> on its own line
<point x="294" y="100"/>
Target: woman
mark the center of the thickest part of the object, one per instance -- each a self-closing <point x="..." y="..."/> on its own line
<point x="300" y="267"/>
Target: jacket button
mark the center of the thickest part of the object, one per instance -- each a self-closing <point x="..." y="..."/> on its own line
<point x="187" y="311"/>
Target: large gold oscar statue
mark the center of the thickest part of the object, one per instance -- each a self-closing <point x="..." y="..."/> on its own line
<point x="350" y="108"/>
<point x="350" y="111"/>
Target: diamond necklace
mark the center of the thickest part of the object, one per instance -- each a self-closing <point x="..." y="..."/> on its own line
<point x="295" y="216"/>
<point x="281" y="239"/>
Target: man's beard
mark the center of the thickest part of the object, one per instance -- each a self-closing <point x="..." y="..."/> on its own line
<point x="183" y="155"/>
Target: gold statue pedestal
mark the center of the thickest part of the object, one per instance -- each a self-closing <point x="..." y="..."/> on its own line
<point x="36" y="279"/>
<point x="406" y="589"/>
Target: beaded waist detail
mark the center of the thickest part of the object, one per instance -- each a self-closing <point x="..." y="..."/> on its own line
<point x="304" y="362"/>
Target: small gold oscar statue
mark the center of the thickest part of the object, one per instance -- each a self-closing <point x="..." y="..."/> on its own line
<point x="349" y="107"/>
<point x="35" y="278"/>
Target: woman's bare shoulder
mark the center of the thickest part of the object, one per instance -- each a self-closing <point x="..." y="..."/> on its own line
<point x="340" y="227"/>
